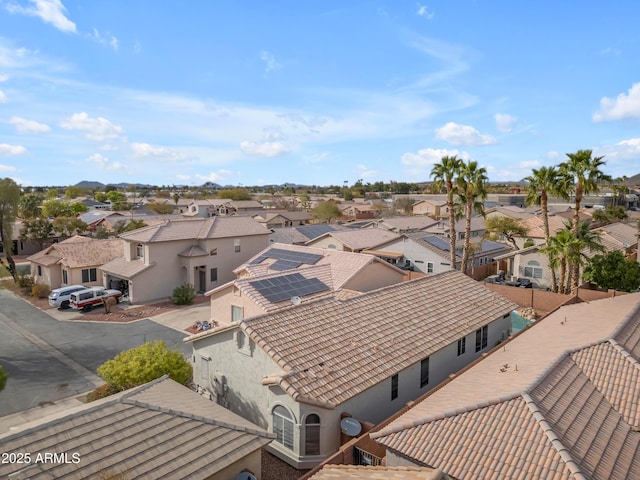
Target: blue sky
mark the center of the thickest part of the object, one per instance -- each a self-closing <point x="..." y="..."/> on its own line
<point x="251" y="93"/>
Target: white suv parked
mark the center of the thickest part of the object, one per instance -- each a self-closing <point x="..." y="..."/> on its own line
<point x="59" y="297"/>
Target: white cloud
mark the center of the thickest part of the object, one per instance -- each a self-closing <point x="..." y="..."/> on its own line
<point x="11" y="150"/>
<point x="50" y="11"/>
<point x="28" y="126"/>
<point x="423" y="11"/>
<point x="103" y="163"/>
<point x="3" y="97"/>
<point x="145" y="150"/>
<point x="529" y="164"/>
<point x="362" y="171"/>
<point x="264" y="149"/>
<point x="427" y="157"/>
<point x="215" y="177"/>
<point x="7" y="168"/>
<point x="98" y="129"/>
<point x="553" y="155"/>
<point x="269" y="61"/>
<point x="3" y="77"/>
<point x="457" y="134"/>
<point x="504" y="122"/>
<point x="623" y="106"/>
<point x="106" y="39"/>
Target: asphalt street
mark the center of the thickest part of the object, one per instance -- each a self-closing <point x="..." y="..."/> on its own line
<point x="48" y="360"/>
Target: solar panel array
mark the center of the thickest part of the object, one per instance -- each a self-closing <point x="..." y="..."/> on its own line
<point x="314" y="231"/>
<point x="282" y="288"/>
<point x="287" y="259"/>
<point x="437" y="242"/>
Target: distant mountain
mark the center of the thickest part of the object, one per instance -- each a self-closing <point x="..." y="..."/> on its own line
<point x="88" y="184"/>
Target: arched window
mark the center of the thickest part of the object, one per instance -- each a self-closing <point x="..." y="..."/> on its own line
<point x="283" y="426"/>
<point x="312" y="435"/>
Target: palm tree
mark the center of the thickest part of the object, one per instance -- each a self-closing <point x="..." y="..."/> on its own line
<point x="585" y="169"/>
<point x="445" y="174"/>
<point x="561" y="250"/>
<point x="544" y="182"/>
<point x="472" y="191"/>
<point x="588" y="240"/>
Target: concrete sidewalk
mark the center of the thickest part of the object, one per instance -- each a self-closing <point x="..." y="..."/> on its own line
<point x="20" y="420"/>
<point x="184" y="318"/>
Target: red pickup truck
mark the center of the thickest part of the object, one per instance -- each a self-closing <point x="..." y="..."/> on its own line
<point x="85" y="300"/>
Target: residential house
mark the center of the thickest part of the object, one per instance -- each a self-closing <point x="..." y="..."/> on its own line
<point x="297" y="371"/>
<point x="623" y="236"/>
<point x="20" y="246"/>
<point x="202" y="252"/>
<point x="435" y="208"/>
<point x="478" y="229"/>
<point x="402" y="224"/>
<point x="76" y="260"/>
<point x="301" y="235"/>
<point x="205" y="208"/>
<point x="558" y="401"/>
<point x="300" y="274"/>
<point x="535" y="229"/>
<point x="430" y="253"/>
<point x="359" y="211"/>
<point x="161" y="430"/>
<point x="511" y="211"/>
<point x="282" y="218"/>
<point x="353" y="240"/>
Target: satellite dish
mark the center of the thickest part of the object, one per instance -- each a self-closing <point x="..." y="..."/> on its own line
<point x="350" y="426"/>
<point x="296" y="300"/>
<point x="246" y="476"/>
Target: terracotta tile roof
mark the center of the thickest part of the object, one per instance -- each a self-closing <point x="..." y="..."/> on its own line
<point x="197" y="228"/>
<point x="442" y="227"/>
<point x="193" y="251"/>
<point x="362" y="239"/>
<point x="403" y="224"/>
<point x="558" y="401"/>
<point x="77" y="251"/>
<point x="161" y="430"/>
<point x="536" y="225"/>
<point x="359" y="472"/>
<point x="368" y="338"/>
<point x="122" y="268"/>
<point x="623" y="233"/>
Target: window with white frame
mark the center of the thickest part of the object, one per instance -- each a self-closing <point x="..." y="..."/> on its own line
<point x="533" y="269"/>
<point x="462" y="345"/>
<point x="429" y="267"/>
<point x="236" y="313"/>
<point x="140" y="250"/>
<point x="65" y="277"/>
<point x="204" y="368"/>
<point x="482" y="338"/>
<point x="283" y="426"/>
<point x="39" y="270"/>
<point x="312" y="435"/>
<point x="213" y="275"/>
<point x="89" y="275"/>
<point x="236" y="245"/>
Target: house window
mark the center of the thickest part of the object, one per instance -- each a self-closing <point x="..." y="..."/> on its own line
<point x="236" y="245"/>
<point x="462" y="346"/>
<point x="482" y="337"/>
<point x="429" y="267"/>
<point x="283" y="426"/>
<point x="89" y="275"/>
<point x="236" y="313"/>
<point x="394" y="387"/>
<point x="424" y="372"/>
<point x="214" y="275"/>
<point x="140" y="250"/>
<point x="39" y="270"/>
<point x="533" y="270"/>
<point x="312" y="435"/>
<point x="65" y="277"/>
<point x="204" y="368"/>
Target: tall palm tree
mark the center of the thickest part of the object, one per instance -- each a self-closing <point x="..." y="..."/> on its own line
<point x="585" y="169"/>
<point x="561" y="251"/>
<point x="543" y="182"/>
<point x="444" y="175"/>
<point x="472" y="191"/>
<point x="587" y="241"/>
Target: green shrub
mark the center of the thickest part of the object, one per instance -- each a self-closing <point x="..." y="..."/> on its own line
<point x="40" y="291"/>
<point x="24" y="281"/>
<point x="528" y="243"/>
<point x="184" y="294"/>
<point x="101" y="392"/>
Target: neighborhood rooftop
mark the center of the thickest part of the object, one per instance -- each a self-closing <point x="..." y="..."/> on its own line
<point x="367" y="338"/>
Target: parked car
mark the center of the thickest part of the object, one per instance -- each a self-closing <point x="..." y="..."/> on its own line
<point x="59" y="297"/>
<point x="86" y="299"/>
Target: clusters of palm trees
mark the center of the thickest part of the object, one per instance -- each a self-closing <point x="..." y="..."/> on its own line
<point x="579" y="175"/>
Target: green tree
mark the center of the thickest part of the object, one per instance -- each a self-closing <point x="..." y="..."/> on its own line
<point x="613" y="271"/>
<point x="611" y="213"/>
<point x="52" y="193"/>
<point x="444" y="175"/>
<point x="235" y="193"/>
<point x="118" y="200"/>
<point x="100" y="197"/>
<point x="405" y="204"/>
<point x="29" y="205"/>
<point x="305" y="201"/>
<point x="37" y="229"/>
<point x="559" y="249"/>
<point x="69" y="226"/>
<point x="160" y="208"/>
<point x="72" y="192"/>
<point x="3" y="378"/>
<point x="56" y="208"/>
<point x="543" y="182"/>
<point x="143" y="364"/>
<point x="176" y="198"/>
<point x="326" y="211"/>
<point x="472" y="191"/>
<point x="585" y="169"/>
<point x="9" y="200"/>
<point x="122" y="226"/>
<point x="507" y="227"/>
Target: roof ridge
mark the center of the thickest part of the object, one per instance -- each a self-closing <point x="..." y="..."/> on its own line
<point x="200" y="418"/>
<point x="555" y="442"/>
<point x="627" y="321"/>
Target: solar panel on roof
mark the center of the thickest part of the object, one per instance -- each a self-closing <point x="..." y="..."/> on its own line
<point x="437" y="242"/>
<point x="287" y="259"/>
<point x="314" y="231"/>
<point x="278" y="289"/>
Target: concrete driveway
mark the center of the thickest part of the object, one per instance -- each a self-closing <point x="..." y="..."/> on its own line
<point x="48" y="360"/>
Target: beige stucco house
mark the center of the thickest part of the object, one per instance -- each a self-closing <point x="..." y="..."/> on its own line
<point x="353" y="240"/>
<point x="297" y="371"/>
<point x="201" y="252"/>
<point x="74" y="261"/>
<point x="432" y="208"/>
<point x="301" y="274"/>
<point x="160" y="430"/>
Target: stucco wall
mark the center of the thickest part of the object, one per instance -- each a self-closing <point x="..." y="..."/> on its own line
<point x="418" y="255"/>
<point x="222" y="301"/>
<point x="251" y="463"/>
<point x="324" y="242"/>
<point x="374" y="275"/>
